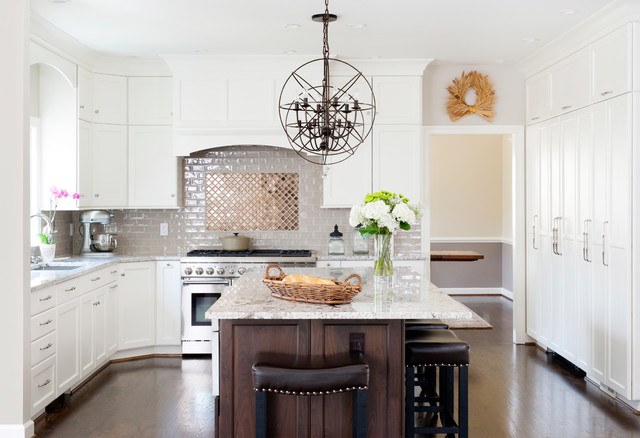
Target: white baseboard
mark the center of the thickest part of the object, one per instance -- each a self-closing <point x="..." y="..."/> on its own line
<point x="478" y="291"/>
<point x="25" y="430"/>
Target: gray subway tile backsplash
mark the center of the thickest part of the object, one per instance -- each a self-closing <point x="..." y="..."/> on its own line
<point x="139" y="230"/>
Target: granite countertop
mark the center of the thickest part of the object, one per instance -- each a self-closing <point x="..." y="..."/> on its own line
<point x="408" y="297"/>
<point x="355" y="257"/>
<point x="45" y="278"/>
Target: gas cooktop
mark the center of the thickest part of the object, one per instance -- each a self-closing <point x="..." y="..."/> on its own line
<point x="250" y="253"/>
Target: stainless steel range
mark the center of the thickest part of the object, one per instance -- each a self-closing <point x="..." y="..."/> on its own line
<point x="205" y="276"/>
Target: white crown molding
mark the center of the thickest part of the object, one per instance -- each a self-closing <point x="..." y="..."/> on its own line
<point x="594" y="27"/>
<point x="190" y="64"/>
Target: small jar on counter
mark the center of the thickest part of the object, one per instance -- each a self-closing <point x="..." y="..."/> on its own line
<point x="360" y="244"/>
<point x="336" y="244"/>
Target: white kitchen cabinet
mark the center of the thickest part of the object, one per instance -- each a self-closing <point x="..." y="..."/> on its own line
<point x="43" y="385"/>
<point x="137" y="305"/>
<point x="569" y="80"/>
<point x="85" y="98"/>
<point x="68" y="370"/>
<point x="106" y="166"/>
<point x="87" y="358"/>
<point x="611" y="65"/>
<point x="168" y="303"/>
<point x="100" y="325"/>
<point x="109" y="95"/>
<point x="533" y="228"/>
<point x="396" y="160"/>
<point x="150" y="101"/>
<point x="112" y="319"/>
<point x="346" y="183"/>
<point x="152" y="167"/>
<point x="538" y="97"/>
<point x="84" y="165"/>
<point x="398" y="100"/>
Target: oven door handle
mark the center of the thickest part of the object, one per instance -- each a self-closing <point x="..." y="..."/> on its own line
<point x="223" y="282"/>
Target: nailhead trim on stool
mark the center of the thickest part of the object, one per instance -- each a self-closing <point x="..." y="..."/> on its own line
<point x="441" y="350"/>
<point x="304" y="376"/>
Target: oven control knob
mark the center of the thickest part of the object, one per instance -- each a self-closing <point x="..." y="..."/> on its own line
<point x="220" y="271"/>
<point x="209" y="271"/>
<point x="199" y="270"/>
<point x="242" y="270"/>
<point x="188" y="271"/>
<point x="230" y="271"/>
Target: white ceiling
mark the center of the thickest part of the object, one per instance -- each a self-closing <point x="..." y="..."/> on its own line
<point x="456" y="31"/>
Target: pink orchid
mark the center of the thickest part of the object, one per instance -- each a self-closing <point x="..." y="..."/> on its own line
<point x="76" y="196"/>
<point x="54" y="190"/>
<point x="63" y="194"/>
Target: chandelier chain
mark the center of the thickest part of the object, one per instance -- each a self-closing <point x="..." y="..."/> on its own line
<point x="325" y="30"/>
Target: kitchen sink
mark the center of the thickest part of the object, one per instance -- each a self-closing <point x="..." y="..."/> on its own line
<point x="56" y="268"/>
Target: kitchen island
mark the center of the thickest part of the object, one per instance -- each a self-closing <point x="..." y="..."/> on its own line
<point x="252" y="321"/>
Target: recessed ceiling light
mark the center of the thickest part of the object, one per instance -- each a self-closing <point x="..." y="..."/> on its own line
<point x="291" y="26"/>
<point x="288" y="52"/>
<point x="530" y="40"/>
<point x="567" y="11"/>
<point x="59" y="1"/>
<point x="499" y="61"/>
<point x="357" y="26"/>
<point x="374" y="57"/>
<point x="201" y="51"/>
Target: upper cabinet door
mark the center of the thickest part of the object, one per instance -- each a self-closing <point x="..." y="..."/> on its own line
<point x="150" y="101"/>
<point x="108" y="166"/>
<point x="397" y="159"/>
<point x="346" y="183"/>
<point x="611" y="61"/>
<point x="109" y="99"/>
<point x="398" y="99"/>
<point x="538" y="97"/>
<point x="570" y="83"/>
<point x="85" y="108"/>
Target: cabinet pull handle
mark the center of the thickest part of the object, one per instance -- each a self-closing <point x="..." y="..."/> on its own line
<point x="566" y="107"/>
<point x="81" y="106"/>
<point x="46" y="382"/>
<point x="586" y="240"/>
<point x="47" y="298"/>
<point x="113" y="287"/>
<point x="535" y="216"/>
<point x="113" y="272"/>
<point x="46" y="347"/>
<point x="95" y="279"/>
<point x="604" y="231"/>
<point x="604" y="93"/>
<point x="46" y="322"/>
<point x="72" y="288"/>
<point x="97" y="195"/>
<point x="535" y="118"/>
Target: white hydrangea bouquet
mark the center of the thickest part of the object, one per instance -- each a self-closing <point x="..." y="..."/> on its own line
<point x="380" y="215"/>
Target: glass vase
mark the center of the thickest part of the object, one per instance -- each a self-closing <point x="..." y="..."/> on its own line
<point x="382" y="264"/>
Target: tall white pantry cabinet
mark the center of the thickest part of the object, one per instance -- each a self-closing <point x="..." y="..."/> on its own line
<point x="583" y="216"/>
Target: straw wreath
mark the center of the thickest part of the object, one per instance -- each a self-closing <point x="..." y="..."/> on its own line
<point x="486" y="97"/>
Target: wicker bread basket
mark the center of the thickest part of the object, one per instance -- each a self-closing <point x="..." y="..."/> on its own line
<point x="340" y="293"/>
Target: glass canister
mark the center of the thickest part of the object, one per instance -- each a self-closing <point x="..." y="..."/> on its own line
<point x="336" y="244"/>
<point x="360" y="244"/>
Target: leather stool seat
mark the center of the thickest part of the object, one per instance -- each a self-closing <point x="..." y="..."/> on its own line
<point x="435" y="348"/>
<point x="312" y="376"/>
<point x="309" y="376"/>
<point x="425" y="324"/>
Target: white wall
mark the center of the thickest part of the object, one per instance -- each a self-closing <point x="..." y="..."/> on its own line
<point x="14" y="199"/>
<point x="507" y="81"/>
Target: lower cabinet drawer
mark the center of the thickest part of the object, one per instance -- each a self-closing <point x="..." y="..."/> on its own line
<point x="43" y="385"/>
<point x="43" y="348"/>
<point x="42" y="300"/>
<point x="43" y="323"/>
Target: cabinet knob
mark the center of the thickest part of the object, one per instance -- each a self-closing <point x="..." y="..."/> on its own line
<point x="566" y="107"/>
<point x="173" y="195"/>
<point x="97" y="195"/>
<point x="81" y="106"/>
<point x="97" y="111"/>
<point x="604" y="93"/>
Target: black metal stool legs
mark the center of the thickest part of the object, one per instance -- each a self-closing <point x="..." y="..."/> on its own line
<point x="261" y="414"/>
<point x="360" y="414"/>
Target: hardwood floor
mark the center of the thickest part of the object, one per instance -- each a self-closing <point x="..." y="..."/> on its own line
<point x="514" y="391"/>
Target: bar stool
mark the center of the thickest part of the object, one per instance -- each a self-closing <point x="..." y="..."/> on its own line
<point x="298" y="375"/>
<point x="443" y="350"/>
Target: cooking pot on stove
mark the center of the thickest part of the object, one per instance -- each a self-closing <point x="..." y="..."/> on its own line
<point x="235" y="243"/>
<point x="103" y="242"/>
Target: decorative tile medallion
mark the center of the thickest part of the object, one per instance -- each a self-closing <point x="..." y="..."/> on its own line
<point x="252" y="201"/>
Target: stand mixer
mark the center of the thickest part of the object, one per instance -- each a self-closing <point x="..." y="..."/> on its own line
<point x="106" y="241"/>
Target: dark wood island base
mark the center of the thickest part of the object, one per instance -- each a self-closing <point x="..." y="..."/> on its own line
<point x="316" y="416"/>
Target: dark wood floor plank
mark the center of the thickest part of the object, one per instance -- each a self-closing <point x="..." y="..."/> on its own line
<point x="514" y="391"/>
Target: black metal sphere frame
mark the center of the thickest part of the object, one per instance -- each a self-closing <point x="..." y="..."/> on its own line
<point x="324" y="121"/>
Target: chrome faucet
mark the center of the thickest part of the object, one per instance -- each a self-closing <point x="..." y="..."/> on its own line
<point x="46" y="219"/>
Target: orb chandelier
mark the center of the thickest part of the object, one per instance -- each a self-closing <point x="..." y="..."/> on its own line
<point x="326" y="122"/>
